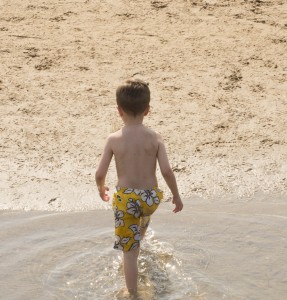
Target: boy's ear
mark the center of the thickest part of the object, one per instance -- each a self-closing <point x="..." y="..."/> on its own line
<point x="146" y="111"/>
<point x="120" y="111"/>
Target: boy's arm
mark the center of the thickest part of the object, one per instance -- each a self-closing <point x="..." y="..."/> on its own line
<point x="103" y="169"/>
<point x="168" y="175"/>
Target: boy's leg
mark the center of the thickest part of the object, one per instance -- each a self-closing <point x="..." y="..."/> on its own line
<point x="143" y="231"/>
<point x="131" y="260"/>
<point x="144" y="222"/>
<point x="131" y="269"/>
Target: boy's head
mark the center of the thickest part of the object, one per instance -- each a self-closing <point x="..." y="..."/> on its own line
<point x="133" y="97"/>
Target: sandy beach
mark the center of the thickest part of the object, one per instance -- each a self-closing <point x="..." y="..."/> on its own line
<point x="217" y="73"/>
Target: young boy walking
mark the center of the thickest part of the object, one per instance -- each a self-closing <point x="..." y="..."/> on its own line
<point x="136" y="149"/>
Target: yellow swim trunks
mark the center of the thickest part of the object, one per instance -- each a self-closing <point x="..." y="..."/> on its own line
<point x="132" y="209"/>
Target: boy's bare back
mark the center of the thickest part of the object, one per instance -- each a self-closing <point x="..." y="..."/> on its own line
<point x="135" y="149"/>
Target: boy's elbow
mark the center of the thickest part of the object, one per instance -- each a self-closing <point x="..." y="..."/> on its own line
<point x="99" y="176"/>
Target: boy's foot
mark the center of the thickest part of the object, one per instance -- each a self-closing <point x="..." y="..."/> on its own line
<point x="132" y="294"/>
<point x="125" y="294"/>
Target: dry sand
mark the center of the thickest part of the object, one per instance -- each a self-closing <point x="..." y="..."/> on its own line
<point x="217" y="72"/>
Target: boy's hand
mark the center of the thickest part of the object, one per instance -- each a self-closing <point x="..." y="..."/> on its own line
<point x="103" y="191"/>
<point x="178" y="204"/>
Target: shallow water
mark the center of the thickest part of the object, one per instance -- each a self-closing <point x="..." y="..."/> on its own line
<point x="211" y="251"/>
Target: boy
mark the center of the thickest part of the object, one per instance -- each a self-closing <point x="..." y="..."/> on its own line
<point x="136" y="149"/>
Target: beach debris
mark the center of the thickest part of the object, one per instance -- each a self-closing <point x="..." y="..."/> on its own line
<point x="159" y="4"/>
<point x="52" y="200"/>
<point x="178" y="168"/>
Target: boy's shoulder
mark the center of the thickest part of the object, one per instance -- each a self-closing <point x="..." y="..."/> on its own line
<point x="114" y="136"/>
<point x="154" y="133"/>
<point x="150" y="131"/>
<point x="145" y="130"/>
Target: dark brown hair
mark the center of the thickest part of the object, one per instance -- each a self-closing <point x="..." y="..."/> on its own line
<point x="133" y="96"/>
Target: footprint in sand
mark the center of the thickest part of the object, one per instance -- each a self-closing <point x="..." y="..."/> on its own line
<point x="62" y="17"/>
<point x="231" y="81"/>
<point x="159" y="4"/>
<point x="15" y="19"/>
<point x="45" y="64"/>
<point x="31" y="52"/>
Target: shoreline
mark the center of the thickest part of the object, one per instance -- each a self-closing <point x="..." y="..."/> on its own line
<point x="86" y="202"/>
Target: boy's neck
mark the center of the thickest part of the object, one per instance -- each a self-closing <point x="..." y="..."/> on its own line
<point x="133" y="121"/>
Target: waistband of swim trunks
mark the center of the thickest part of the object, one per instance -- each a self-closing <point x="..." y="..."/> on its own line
<point x="121" y="188"/>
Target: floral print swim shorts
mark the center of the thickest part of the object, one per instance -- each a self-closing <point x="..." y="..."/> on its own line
<point x="132" y="209"/>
